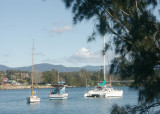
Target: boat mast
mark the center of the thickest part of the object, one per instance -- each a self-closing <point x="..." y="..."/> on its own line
<point x="110" y="75"/>
<point x="32" y="66"/>
<point x="104" y="53"/>
<point x="58" y="77"/>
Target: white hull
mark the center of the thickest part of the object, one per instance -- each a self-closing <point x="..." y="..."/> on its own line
<point x="92" y="93"/>
<point x="114" y="93"/>
<point x="58" y="96"/>
<point x="33" y="99"/>
<point x="103" y="92"/>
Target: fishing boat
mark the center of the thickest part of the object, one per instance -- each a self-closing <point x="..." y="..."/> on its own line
<point x="102" y="90"/>
<point x="59" y="92"/>
<point x="33" y="98"/>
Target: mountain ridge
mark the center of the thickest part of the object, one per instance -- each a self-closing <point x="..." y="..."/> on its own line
<point x="48" y="67"/>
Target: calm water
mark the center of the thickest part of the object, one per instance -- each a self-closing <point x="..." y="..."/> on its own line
<point x="14" y="102"/>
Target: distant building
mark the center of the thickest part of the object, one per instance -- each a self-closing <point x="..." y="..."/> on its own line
<point x="5" y="80"/>
<point x="10" y="82"/>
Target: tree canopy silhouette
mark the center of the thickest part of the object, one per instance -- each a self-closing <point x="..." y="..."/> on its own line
<point x="135" y="39"/>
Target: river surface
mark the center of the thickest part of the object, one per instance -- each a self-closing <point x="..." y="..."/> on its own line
<point x="14" y="102"/>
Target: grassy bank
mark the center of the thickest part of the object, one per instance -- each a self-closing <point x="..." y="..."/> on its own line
<point x="2" y="87"/>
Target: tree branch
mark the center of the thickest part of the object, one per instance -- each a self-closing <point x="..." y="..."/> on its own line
<point x="137" y="9"/>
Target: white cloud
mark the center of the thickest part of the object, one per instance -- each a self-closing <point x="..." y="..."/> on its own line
<point x="85" y="56"/>
<point x="61" y="29"/>
<point x="81" y="57"/>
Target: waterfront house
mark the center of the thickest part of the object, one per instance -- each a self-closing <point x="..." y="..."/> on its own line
<point x="10" y="82"/>
<point x="5" y="80"/>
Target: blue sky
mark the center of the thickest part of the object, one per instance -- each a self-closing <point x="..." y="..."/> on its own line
<point x="49" y="23"/>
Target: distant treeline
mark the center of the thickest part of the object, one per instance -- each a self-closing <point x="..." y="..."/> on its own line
<point x="76" y="79"/>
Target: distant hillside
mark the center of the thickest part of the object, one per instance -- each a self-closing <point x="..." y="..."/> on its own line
<point x="48" y="67"/>
<point x="3" y="68"/>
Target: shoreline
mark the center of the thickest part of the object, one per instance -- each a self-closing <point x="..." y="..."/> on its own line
<point x="12" y="87"/>
<point x="9" y="87"/>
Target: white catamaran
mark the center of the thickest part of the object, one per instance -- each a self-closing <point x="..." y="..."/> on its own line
<point x="33" y="98"/>
<point x="102" y="90"/>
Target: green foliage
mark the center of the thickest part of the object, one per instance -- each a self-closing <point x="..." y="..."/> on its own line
<point x="23" y="81"/>
<point x="51" y="77"/>
<point x="1" y="77"/>
<point x="135" y="38"/>
<point x="76" y="79"/>
<point x="118" y="110"/>
<point x="28" y="80"/>
<point x="38" y="78"/>
<point x="9" y="73"/>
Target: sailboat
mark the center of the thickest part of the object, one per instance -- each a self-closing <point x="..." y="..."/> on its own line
<point x="33" y="98"/>
<point x="59" y="92"/>
<point x="102" y="90"/>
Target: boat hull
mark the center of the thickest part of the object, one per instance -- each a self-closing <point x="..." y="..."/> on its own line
<point x="104" y="92"/>
<point x="115" y="93"/>
<point x="33" y="99"/>
<point x="94" y="94"/>
<point x="58" y="96"/>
